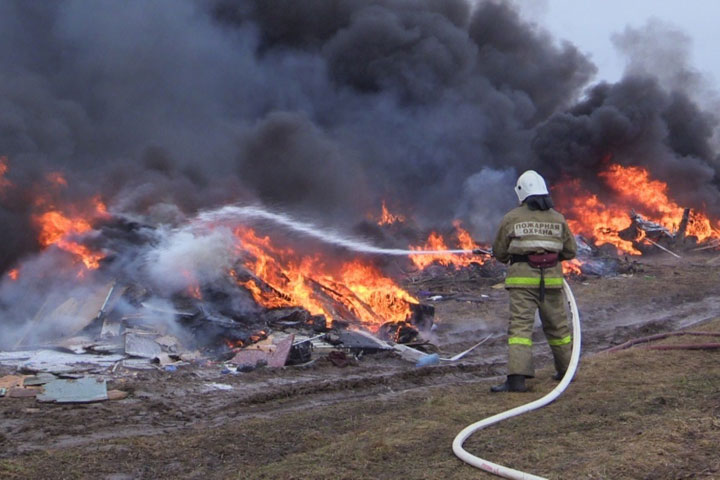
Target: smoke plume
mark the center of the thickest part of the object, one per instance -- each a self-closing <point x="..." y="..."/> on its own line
<point x="322" y="108"/>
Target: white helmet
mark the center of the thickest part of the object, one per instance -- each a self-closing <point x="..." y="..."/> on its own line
<point x="530" y="183"/>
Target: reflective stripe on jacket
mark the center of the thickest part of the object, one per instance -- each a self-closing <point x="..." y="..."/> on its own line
<point x="524" y="231"/>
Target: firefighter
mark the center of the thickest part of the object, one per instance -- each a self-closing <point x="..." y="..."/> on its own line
<point x="534" y="238"/>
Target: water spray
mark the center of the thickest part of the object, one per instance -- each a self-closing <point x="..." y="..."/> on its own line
<point x="327" y="235"/>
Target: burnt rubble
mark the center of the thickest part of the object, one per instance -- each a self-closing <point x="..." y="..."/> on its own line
<point x="646" y="235"/>
<point x="130" y="328"/>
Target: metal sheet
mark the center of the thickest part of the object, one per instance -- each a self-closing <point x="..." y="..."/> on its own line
<point x="251" y="357"/>
<point x="138" y="364"/>
<point x="82" y="390"/>
<point x="39" y="379"/>
<point x="141" y="346"/>
<point x="56" y="362"/>
<point x="74" y="313"/>
<point x="280" y="355"/>
<point x="356" y="340"/>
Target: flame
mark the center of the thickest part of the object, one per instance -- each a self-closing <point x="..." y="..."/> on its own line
<point x="4" y="182"/>
<point x="55" y="230"/>
<point x="60" y="230"/>
<point x="14" y="274"/>
<point x="286" y="278"/>
<point x="633" y="188"/>
<point x="436" y="241"/>
<point x="635" y="185"/>
<point x="572" y="267"/>
<point x="589" y="216"/>
<point x="57" y="178"/>
<point x="387" y="218"/>
<point x="239" y="343"/>
<point x="55" y="226"/>
<point x="101" y="210"/>
<point x="383" y="296"/>
<point x="280" y="277"/>
<point x="193" y="289"/>
<point x="465" y="241"/>
<point x="194" y="292"/>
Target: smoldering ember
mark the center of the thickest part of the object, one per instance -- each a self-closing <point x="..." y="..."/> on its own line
<point x="253" y="239"/>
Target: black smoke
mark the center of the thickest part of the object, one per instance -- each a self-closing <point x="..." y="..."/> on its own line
<point x="320" y="107"/>
<point x="660" y="116"/>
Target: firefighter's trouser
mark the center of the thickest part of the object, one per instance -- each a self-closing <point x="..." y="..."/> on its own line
<point x="523" y="304"/>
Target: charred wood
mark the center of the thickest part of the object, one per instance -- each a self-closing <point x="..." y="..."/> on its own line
<point x="423" y="316"/>
<point x="680" y="235"/>
<point x="398" y="332"/>
<point x="336" y="308"/>
<point x="343" y="296"/>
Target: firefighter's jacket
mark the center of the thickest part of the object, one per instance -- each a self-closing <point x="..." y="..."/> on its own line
<point x="523" y="232"/>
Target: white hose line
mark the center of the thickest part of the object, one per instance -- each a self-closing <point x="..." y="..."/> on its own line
<point x="506" y="472"/>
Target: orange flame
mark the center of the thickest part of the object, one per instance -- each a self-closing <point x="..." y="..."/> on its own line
<point x="55" y="228"/>
<point x="284" y="278"/>
<point x="465" y="240"/>
<point x="100" y="208"/>
<point x="572" y="267"/>
<point x="4" y="182"/>
<point x="193" y="289"/>
<point x="384" y="297"/>
<point x="589" y="216"/>
<point x="634" y="189"/>
<point x="287" y="278"/>
<point x="14" y="274"/>
<point x="194" y="292"/>
<point x="387" y="218"/>
<point x="635" y="186"/>
<point x="58" y="229"/>
<point x="57" y="178"/>
<point x="436" y="241"/>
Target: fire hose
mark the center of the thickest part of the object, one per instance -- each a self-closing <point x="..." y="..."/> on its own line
<point x="507" y="472"/>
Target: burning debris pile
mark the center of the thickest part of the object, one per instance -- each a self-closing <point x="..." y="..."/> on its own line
<point x="213" y="289"/>
<point x="637" y="218"/>
<point x="322" y="110"/>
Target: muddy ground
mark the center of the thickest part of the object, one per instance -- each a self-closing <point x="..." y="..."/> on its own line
<point x="178" y="424"/>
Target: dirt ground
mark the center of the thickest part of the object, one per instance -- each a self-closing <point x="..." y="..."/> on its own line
<point x="633" y="414"/>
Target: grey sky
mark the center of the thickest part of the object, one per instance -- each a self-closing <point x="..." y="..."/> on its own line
<point x="590" y="24"/>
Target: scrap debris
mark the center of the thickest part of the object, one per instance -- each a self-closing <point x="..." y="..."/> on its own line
<point x="423" y="359"/>
<point x="117" y="331"/>
<point x="662" y="248"/>
<point x="661" y="336"/>
<point x="139" y="345"/>
<point x="642" y="231"/>
<point x="81" y="390"/>
<point x="212" y="386"/>
<point x="56" y="362"/>
<point x="270" y="354"/>
<point x="49" y="388"/>
<point x="11" y="381"/>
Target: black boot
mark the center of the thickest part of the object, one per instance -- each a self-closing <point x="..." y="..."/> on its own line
<point x="558" y="376"/>
<point x="514" y="383"/>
